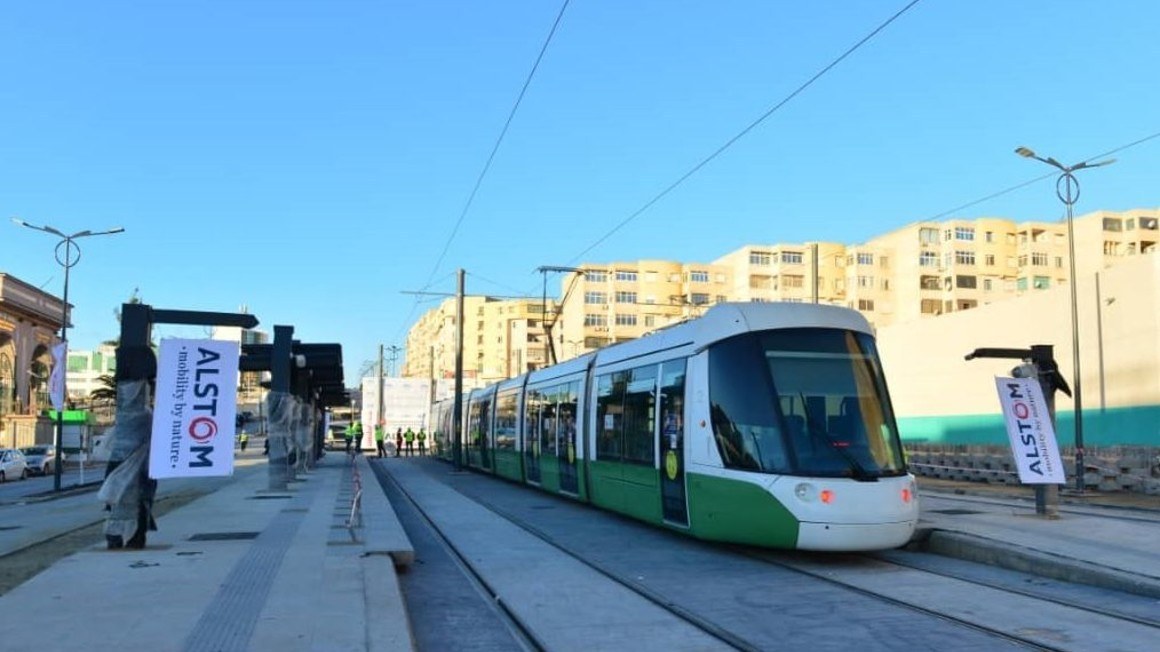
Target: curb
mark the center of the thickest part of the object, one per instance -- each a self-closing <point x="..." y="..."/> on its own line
<point x="1025" y="560"/>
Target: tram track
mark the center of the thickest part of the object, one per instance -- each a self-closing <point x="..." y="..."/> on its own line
<point x="1091" y="606"/>
<point x="523" y="633"/>
<point x="708" y="628"/>
<point x="959" y="612"/>
<point x="853" y="570"/>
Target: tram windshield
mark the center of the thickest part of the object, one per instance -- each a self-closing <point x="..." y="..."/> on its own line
<point x="804" y="401"/>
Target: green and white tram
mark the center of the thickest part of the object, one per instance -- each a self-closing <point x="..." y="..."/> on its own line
<point x="759" y="423"/>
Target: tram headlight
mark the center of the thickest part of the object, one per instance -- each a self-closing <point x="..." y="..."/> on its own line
<point x="806" y="492"/>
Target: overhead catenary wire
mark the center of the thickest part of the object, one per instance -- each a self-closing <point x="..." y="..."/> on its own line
<point x="487" y="164"/>
<point x="753" y="125"/>
<point x="1039" y="178"/>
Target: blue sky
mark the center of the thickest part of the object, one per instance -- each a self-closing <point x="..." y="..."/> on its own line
<point x="309" y="159"/>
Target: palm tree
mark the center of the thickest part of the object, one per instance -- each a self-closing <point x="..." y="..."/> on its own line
<point x="106" y="393"/>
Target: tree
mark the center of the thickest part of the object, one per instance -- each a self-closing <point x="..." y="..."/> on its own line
<point x="106" y="393"/>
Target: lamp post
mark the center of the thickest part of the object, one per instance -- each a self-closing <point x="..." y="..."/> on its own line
<point x="1067" y="189"/>
<point x="70" y="257"/>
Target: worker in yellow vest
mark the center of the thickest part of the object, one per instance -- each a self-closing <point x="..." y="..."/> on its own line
<point x="410" y="437"/>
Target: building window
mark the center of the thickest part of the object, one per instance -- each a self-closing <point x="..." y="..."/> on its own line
<point x="963" y="281"/>
<point x="595" y="275"/>
<point x="626" y="320"/>
<point x="948" y="234"/>
<point x="964" y="233"/>
<point x="928" y="236"/>
<point x="1021" y="284"/>
<point x="931" y="307"/>
<point x="626" y="297"/>
<point x="650" y="321"/>
<point x="1042" y="282"/>
<point x="928" y="282"/>
<point x="623" y="275"/>
<point x="987" y="284"/>
<point x="1112" y="224"/>
<point x="884" y="262"/>
<point x="698" y="277"/>
<point x="965" y="257"/>
<point x="1058" y="262"/>
<point x="1023" y="260"/>
<point x="650" y="277"/>
<point x="591" y="319"/>
<point x="865" y="259"/>
<point x="595" y="297"/>
<point x="699" y="299"/>
<point x="866" y="304"/>
<point x="1039" y="259"/>
<point x="866" y="281"/>
<point x="792" y="281"/>
<point x="791" y="257"/>
<point x="928" y="259"/>
<point x="759" y="258"/>
<point x="989" y="260"/>
<point x="989" y="236"/>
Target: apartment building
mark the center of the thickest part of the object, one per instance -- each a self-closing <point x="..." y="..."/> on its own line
<point x="85" y="369"/>
<point x="788" y="272"/>
<point x="608" y="303"/>
<point x="934" y="268"/>
<point x="921" y="270"/>
<point x="501" y="339"/>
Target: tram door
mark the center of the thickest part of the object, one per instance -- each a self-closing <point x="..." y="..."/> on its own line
<point x="532" y="425"/>
<point x="566" y="437"/>
<point x="672" y="442"/>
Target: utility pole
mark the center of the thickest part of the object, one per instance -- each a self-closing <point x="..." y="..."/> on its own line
<point x="394" y="349"/>
<point x="457" y="414"/>
<point x="549" y="323"/>
<point x="379" y="421"/>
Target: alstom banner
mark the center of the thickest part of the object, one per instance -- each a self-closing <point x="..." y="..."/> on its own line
<point x="195" y="409"/>
<point x="1030" y="430"/>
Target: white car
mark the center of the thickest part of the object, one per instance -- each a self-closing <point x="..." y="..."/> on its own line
<point x="12" y="464"/>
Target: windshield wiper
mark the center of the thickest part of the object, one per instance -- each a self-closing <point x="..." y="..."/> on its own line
<point x="859" y="472"/>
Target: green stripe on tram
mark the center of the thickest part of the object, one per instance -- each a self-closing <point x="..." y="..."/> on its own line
<point x="741" y="512"/>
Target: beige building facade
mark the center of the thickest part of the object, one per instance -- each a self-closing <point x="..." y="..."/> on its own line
<point x="933" y="290"/>
<point x="609" y="303"/>
<point x="29" y="322"/>
<point x="501" y="339"/>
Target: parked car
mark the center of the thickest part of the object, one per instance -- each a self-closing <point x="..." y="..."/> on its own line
<point x="41" y="459"/>
<point x="12" y="464"/>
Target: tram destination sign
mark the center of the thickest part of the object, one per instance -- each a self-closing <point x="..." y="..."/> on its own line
<point x="193" y="416"/>
<point x="1030" y="430"/>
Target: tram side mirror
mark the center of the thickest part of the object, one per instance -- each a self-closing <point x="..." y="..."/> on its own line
<point x="1026" y="370"/>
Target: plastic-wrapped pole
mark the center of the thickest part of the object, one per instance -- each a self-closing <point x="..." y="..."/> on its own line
<point x="302" y="435"/>
<point x="279" y="411"/>
<point x="127" y="490"/>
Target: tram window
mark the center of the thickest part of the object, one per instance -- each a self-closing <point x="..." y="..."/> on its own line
<point x="479" y="423"/>
<point x="532" y="402"/>
<point x="548" y="423"/>
<point x="829" y="382"/>
<point x="610" y="415"/>
<point x="566" y="430"/>
<point x="640" y="416"/>
<point x="505" y="420"/>
<point x="743" y="412"/>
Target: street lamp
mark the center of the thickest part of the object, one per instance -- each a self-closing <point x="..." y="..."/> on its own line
<point x="1067" y="189"/>
<point x="67" y="260"/>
